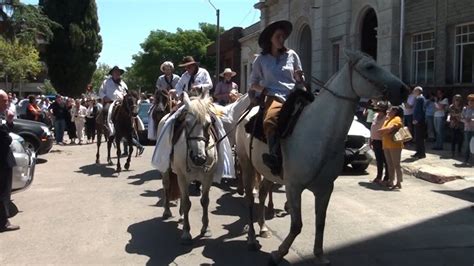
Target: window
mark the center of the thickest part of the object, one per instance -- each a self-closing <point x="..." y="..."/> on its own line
<point x="335" y="57"/>
<point x="464" y="54"/>
<point x="422" y="59"/>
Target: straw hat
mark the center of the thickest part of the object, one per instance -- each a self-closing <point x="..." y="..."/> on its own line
<point x="228" y="70"/>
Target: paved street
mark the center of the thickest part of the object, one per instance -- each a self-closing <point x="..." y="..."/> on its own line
<point x="79" y="213"/>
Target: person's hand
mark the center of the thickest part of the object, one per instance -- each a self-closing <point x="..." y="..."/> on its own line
<point x="10" y="116"/>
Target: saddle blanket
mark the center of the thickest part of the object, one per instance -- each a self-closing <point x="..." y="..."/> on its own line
<point x="161" y="159"/>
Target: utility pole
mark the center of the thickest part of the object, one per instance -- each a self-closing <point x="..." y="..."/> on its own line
<point x="218" y="45"/>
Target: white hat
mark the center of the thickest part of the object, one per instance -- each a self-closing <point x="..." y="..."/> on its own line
<point x="418" y="88"/>
<point x="228" y="70"/>
<point x="166" y="63"/>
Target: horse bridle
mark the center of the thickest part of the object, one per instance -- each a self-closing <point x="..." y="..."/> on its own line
<point x="197" y="138"/>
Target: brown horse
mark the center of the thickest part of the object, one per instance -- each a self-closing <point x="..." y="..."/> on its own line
<point x="123" y="117"/>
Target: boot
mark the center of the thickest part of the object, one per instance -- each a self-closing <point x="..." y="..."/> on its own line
<point x="273" y="158"/>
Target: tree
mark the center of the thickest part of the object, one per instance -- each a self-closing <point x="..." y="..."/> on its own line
<point x="162" y="46"/>
<point x="49" y="88"/>
<point x="72" y="54"/>
<point x="18" y="60"/>
<point x="99" y="75"/>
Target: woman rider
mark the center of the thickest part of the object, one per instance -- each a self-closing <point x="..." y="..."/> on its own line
<point x="274" y="75"/>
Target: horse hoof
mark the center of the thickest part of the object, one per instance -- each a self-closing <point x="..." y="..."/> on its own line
<point x="118" y="170"/>
<point x="321" y="260"/>
<point x="287" y="207"/>
<point x="127" y="166"/>
<point x="166" y="215"/>
<point x="110" y="163"/>
<point x="255" y="246"/>
<point x="206" y="233"/>
<point x="186" y="240"/>
<point x="97" y="161"/>
<point x="275" y="258"/>
<point x="270" y="214"/>
<point x="265" y="234"/>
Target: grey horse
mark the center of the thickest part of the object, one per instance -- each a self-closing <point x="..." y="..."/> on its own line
<point x="313" y="155"/>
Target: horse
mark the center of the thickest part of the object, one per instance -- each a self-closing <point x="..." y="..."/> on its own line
<point x="312" y="156"/>
<point x="124" y="114"/>
<point x="162" y="105"/>
<point x="195" y="157"/>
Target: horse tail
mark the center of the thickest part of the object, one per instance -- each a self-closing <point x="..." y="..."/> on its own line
<point x="174" y="192"/>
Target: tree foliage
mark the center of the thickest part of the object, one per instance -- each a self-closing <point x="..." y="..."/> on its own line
<point x="99" y="75"/>
<point x="72" y="54"/>
<point x="18" y="60"/>
<point x="162" y="46"/>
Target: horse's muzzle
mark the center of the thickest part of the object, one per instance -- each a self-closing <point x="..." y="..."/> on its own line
<point x="198" y="160"/>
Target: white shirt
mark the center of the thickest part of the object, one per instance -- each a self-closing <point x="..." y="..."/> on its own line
<point x="410" y="101"/>
<point x="202" y="78"/>
<point x="12" y="108"/>
<point x="81" y="114"/>
<point x="112" y="90"/>
<point x="441" y="113"/>
<point x="162" y="84"/>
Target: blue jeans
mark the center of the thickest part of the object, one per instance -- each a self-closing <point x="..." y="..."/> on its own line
<point x="467" y="140"/>
<point x="59" y="127"/>
<point x="439" y="129"/>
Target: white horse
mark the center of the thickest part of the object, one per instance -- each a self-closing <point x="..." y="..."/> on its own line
<point x="314" y="153"/>
<point x="195" y="158"/>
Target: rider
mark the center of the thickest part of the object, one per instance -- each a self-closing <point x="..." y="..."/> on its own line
<point x="196" y="80"/>
<point x="275" y="73"/>
<point x="224" y="87"/>
<point x="112" y="89"/>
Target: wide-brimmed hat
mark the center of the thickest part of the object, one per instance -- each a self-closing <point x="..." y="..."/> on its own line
<point x="228" y="70"/>
<point x="267" y="33"/>
<point x="188" y="60"/>
<point x="116" y="68"/>
<point x="166" y="64"/>
<point x="381" y="106"/>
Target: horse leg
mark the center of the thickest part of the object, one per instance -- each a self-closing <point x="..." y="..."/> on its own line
<point x="322" y="195"/>
<point x="166" y="197"/>
<point x="293" y="194"/>
<point x="117" y="143"/>
<point x="97" y="155"/>
<point x="205" y="231"/>
<point x="248" y="177"/>
<point x="265" y="188"/>
<point x="271" y="207"/>
<point x="130" y="151"/>
<point x="186" y="238"/>
<point x="109" y="147"/>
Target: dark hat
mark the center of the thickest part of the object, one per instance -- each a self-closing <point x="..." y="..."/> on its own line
<point x="188" y="60"/>
<point x="267" y="33"/>
<point x="116" y="68"/>
<point x="381" y="106"/>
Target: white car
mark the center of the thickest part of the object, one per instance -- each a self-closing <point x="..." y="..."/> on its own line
<point x="23" y="172"/>
<point x="358" y="153"/>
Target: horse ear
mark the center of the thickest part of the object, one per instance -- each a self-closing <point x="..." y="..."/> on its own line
<point x="186" y="100"/>
<point x="351" y="56"/>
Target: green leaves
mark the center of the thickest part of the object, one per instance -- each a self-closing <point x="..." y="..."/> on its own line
<point x="18" y="60"/>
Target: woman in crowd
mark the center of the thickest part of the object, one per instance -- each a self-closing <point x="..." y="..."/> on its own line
<point x="392" y="150"/>
<point x="369" y="113"/>
<point x="78" y="115"/>
<point x="91" y="116"/>
<point x="70" y="126"/>
<point x="429" y="117"/>
<point x="33" y="112"/>
<point x="455" y="124"/>
<point x="467" y="117"/>
<point x="376" y="141"/>
<point x="441" y="103"/>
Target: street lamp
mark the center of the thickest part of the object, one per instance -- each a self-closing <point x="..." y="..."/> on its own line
<point x="218" y="46"/>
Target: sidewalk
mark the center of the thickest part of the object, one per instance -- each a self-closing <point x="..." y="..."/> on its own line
<point x="438" y="166"/>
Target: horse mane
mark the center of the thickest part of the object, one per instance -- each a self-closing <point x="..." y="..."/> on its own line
<point x="132" y="93"/>
<point x="199" y="108"/>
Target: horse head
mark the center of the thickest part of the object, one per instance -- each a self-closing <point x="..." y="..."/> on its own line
<point x="372" y="81"/>
<point x="130" y="102"/>
<point x="197" y="128"/>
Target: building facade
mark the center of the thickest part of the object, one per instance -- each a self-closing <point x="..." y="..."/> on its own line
<point x="425" y="42"/>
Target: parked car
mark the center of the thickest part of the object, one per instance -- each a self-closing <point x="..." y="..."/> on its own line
<point x="37" y="136"/>
<point x="358" y="153"/>
<point x="23" y="172"/>
<point x="143" y="109"/>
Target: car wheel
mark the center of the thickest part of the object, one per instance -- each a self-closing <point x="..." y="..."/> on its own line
<point x="31" y="145"/>
<point x="360" y="167"/>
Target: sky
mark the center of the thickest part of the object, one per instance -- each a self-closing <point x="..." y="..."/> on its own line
<point x="124" y="24"/>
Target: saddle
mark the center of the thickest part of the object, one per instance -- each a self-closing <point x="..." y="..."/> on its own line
<point x="289" y="114"/>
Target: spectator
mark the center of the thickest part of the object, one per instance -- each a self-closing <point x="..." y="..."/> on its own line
<point x="7" y="162"/>
<point x="59" y="111"/>
<point x="455" y="124"/>
<point x="78" y="116"/>
<point x="369" y="113"/>
<point x="12" y="106"/>
<point x="441" y="103"/>
<point x="392" y="150"/>
<point x="224" y="87"/>
<point x="91" y="115"/>
<point x="419" y="123"/>
<point x="70" y="126"/>
<point x="409" y="107"/>
<point x="376" y="141"/>
<point x="467" y="117"/>
<point x="33" y="112"/>
<point x="429" y="117"/>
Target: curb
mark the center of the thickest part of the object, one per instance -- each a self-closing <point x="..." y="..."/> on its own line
<point x="429" y="176"/>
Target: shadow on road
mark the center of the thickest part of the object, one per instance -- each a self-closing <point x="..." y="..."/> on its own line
<point x="372" y="186"/>
<point x="145" y="177"/>
<point x="442" y="240"/>
<point x="465" y="194"/>
<point x="41" y="160"/>
<point x="97" y="169"/>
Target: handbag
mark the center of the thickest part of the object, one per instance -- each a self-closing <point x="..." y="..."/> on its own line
<point x="402" y="135"/>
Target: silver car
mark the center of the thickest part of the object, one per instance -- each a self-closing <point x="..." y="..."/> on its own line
<point x="24" y="170"/>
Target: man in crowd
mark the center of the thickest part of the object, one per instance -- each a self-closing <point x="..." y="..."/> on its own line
<point x="59" y="110"/>
<point x="7" y="162"/>
<point x="419" y="123"/>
